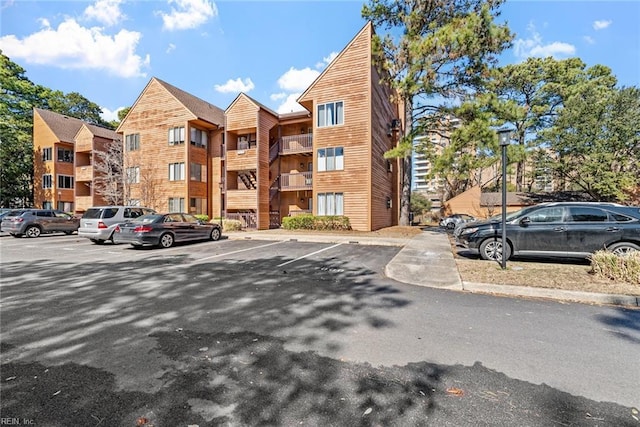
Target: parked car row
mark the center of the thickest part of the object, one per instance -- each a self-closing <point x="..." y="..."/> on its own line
<point x="558" y="230"/>
<point x="135" y="225"/>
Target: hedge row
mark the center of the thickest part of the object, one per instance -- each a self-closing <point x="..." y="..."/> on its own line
<point x="620" y="268"/>
<point x="310" y="222"/>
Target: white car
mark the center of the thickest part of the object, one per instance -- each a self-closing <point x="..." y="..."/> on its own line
<point x="98" y="222"/>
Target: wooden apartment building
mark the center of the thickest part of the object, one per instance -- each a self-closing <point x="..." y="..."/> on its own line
<point x="63" y="161"/>
<point x="250" y="163"/>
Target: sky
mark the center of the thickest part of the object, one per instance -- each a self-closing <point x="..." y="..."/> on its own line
<point x="108" y="50"/>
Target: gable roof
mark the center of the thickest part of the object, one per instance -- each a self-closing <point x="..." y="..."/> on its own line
<point x="100" y="132"/>
<point x="63" y="127"/>
<point x="198" y="107"/>
<point x="368" y="27"/>
<point x="253" y="101"/>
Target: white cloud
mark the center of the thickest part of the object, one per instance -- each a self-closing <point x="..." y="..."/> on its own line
<point x="109" y="115"/>
<point x="278" y="96"/>
<point x="72" y="46"/>
<point x="235" y="86"/>
<point x="589" y="40"/>
<point x="188" y="14"/>
<point x="290" y="105"/>
<point x="107" y="12"/>
<point x="297" y="80"/>
<point x="171" y="48"/>
<point x="326" y="60"/>
<point x="534" y="46"/>
<point x="601" y="25"/>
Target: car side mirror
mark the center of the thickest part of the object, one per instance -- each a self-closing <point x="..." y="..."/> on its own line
<point x="525" y="221"/>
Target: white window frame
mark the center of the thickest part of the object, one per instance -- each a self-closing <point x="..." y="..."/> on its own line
<point x="47" y="154"/>
<point x="65" y="181"/>
<point x="176" y="135"/>
<point x="330" y="159"/>
<point x="176" y="204"/>
<point x="330" y="114"/>
<point x="176" y="171"/>
<point x="330" y="204"/>
<point x="133" y="175"/>
<point x="132" y="142"/>
<point x="47" y="181"/>
<point x="63" y="151"/>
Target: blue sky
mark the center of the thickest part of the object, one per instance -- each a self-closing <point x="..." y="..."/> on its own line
<point x="107" y="50"/>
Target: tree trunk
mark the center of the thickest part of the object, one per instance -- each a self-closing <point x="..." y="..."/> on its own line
<point x="405" y="183"/>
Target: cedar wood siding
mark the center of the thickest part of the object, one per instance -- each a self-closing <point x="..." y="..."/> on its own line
<point x="266" y="121"/>
<point x="241" y="117"/>
<point x="153" y="114"/>
<point x="86" y="143"/>
<point x="347" y="79"/>
<point x="384" y="183"/>
<point x="45" y="126"/>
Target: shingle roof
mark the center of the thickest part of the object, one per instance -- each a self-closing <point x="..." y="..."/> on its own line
<point x="200" y="108"/>
<point x="102" y="132"/>
<point x="64" y="127"/>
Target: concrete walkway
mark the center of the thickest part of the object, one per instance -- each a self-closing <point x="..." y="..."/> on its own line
<point x="427" y="260"/>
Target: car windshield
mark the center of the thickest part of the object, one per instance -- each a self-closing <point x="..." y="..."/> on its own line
<point x="14" y="213"/>
<point x="146" y="219"/>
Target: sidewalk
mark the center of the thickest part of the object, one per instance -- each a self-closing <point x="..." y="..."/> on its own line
<point x="427" y="260"/>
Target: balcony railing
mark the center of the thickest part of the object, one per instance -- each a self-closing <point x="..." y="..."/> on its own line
<point x="84" y="173"/>
<point x="296" y="181"/>
<point x="292" y="144"/>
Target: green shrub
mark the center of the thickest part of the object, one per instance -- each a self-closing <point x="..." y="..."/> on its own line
<point x="620" y="268"/>
<point x="310" y="222"/>
<point x="202" y="217"/>
<point x="231" y="225"/>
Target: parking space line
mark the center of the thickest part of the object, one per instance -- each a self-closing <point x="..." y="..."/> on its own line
<point x="235" y="252"/>
<point x="308" y="255"/>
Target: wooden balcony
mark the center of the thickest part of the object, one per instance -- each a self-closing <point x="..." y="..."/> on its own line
<point x="242" y="199"/>
<point x="238" y="160"/>
<point x="296" y="181"/>
<point x="84" y="173"/>
<point x="83" y="203"/>
<point x="296" y="144"/>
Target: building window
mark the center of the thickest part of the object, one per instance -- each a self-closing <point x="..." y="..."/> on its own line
<point x="330" y="159"/>
<point x="47" y="181"/>
<point x="330" y="114"/>
<point x="199" y="138"/>
<point x="133" y="175"/>
<point x="197" y="172"/>
<point x="176" y="171"/>
<point x="176" y="136"/>
<point x="47" y="204"/>
<point x="65" y="155"/>
<point x="132" y="142"/>
<point x="47" y="154"/>
<point x="65" y="181"/>
<point x="197" y="205"/>
<point x="176" y="204"/>
<point x="330" y="204"/>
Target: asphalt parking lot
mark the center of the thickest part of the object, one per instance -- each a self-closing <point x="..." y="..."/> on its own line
<point x="256" y="332"/>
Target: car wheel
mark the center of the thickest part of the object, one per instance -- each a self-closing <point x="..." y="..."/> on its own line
<point x="215" y="234"/>
<point x="68" y="233"/>
<point x="451" y="225"/>
<point x="623" y="248"/>
<point x="166" y="240"/>
<point x="491" y="249"/>
<point x="16" y="235"/>
<point x="32" y="231"/>
<point x="98" y="241"/>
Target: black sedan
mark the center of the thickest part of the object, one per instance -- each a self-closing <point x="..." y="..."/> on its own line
<point x="564" y="230"/>
<point x="164" y="230"/>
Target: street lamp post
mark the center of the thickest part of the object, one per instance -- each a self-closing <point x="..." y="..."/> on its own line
<point x="503" y="136"/>
<point x="221" y="186"/>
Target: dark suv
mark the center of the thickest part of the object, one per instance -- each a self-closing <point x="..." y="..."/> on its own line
<point x="565" y="230"/>
<point x="33" y="222"/>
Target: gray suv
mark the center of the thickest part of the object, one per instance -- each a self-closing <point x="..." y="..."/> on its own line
<point x="97" y="223"/>
<point x="33" y="222"/>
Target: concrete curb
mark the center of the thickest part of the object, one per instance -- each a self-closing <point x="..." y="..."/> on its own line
<point x="555" y="294"/>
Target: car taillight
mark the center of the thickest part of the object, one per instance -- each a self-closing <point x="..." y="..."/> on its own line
<point x="18" y="219"/>
<point x="102" y="225"/>
<point x="142" y="229"/>
<point x="117" y="229"/>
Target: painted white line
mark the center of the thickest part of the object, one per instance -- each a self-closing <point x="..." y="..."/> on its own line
<point x="235" y="252"/>
<point x="308" y="255"/>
